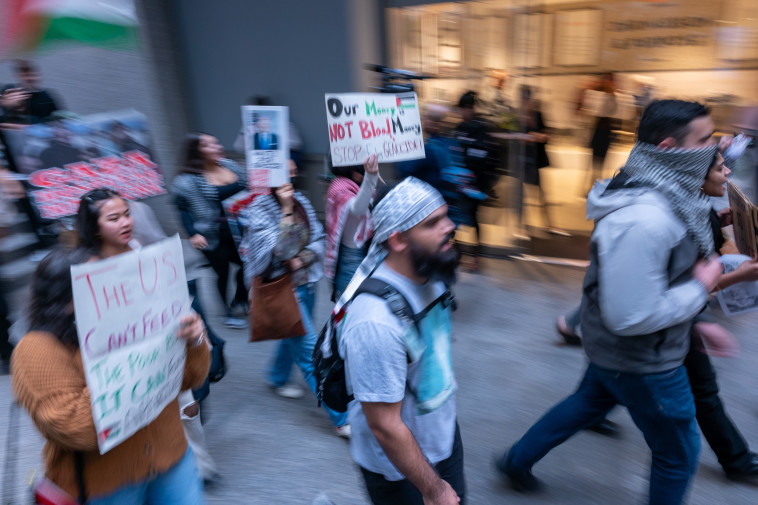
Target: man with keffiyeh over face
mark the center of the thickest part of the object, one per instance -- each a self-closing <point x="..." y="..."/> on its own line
<point x="406" y="439"/>
<point x="652" y="266"/>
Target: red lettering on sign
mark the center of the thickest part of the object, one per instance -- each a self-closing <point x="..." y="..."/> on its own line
<point x="142" y="277"/>
<point x="89" y="276"/>
<point x="167" y="261"/>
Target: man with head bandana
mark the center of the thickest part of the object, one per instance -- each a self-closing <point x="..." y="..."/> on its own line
<point x="651" y="270"/>
<point x="405" y="436"/>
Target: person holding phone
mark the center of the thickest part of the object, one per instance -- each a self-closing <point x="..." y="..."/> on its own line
<point x="26" y="102"/>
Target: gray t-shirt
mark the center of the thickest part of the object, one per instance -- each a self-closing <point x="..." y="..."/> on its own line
<point x="373" y="344"/>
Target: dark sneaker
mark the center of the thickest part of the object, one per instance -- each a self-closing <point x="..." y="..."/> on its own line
<point x="521" y="480"/>
<point x="607" y="428"/>
<point x="567" y="332"/>
<point x="748" y="471"/>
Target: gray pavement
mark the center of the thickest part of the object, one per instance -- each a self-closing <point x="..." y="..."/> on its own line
<point x="510" y="367"/>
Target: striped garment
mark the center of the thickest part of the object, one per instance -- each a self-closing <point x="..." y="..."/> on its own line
<point x="341" y="191"/>
<point x="203" y="200"/>
<point x="678" y="174"/>
<point x="261" y="234"/>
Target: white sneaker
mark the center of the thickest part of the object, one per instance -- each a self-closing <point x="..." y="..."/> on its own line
<point x="289" y="391"/>
<point x="344" y="431"/>
<point x="235" y="322"/>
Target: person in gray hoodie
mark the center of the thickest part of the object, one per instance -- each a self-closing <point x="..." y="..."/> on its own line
<point x="652" y="266"/>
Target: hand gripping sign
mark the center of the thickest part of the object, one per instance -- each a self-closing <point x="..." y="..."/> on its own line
<point x="128" y="310"/>
<point x="361" y="124"/>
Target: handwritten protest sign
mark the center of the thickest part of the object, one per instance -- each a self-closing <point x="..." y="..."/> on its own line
<point x="361" y="124"/>
<point x="128" y="310"/>
<point x="266" y="132"/>
<point x="67" y="158"/>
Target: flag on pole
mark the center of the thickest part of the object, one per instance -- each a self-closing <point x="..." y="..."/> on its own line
<point x="33" y="24"/>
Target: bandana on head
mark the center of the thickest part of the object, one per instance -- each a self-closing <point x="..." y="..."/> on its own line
<point x="409" y="203"/>
<point x="678" y="174"/>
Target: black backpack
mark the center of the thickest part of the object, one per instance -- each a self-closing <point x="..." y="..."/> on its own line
<point x="481" y="151"/>
<point x="328" y="365"/>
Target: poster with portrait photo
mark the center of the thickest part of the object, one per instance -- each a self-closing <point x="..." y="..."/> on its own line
<point x="266" y="145"/>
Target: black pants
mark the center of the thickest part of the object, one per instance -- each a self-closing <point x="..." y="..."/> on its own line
<point x="220" y="258"/>
<point x="402" y="492"/>
<point x="722" y="435"/>
<point x="5" y="325"/>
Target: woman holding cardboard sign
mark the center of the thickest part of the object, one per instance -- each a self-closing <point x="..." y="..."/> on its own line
<point x="152" y="466"/>
<point x="285" y="243"/>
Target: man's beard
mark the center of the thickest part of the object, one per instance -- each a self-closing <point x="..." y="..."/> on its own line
<point x="437" y="266"/>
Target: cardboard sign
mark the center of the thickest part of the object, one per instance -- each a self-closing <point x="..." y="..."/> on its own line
<point x="361" y="124"/>
<point x="266" y="131"/>
<point x="67" y="158"/>
<point x="744" y="218"/>
<point x="128" y="310"/>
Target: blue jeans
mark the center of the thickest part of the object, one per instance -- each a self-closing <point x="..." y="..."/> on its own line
<point x="347" y="263"/>
<point x="299" y="350"/>
<point x="662" y="407"/>
<point x="179" y="485"/>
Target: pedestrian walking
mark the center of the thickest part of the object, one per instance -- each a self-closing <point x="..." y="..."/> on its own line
<point x="205" y="180"/>
<point x="657" y="270"/>
<point x="152" y="466"/>
<point x="406" y="438"/>
<point x="97" y="210"/>
<point x="283" y="235"/>
<point x="481" y="153"/>
<point x="605" y="106"/>
<point x="532" y="123"/>
<point x="726" y="441"/>
<point x="348" y="221"/>
<point x="144" y="229"/>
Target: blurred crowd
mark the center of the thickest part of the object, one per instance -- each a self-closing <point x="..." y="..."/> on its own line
<point x="395" y="336"/>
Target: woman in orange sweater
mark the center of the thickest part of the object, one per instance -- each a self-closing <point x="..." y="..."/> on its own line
<point x="153" y="466"/>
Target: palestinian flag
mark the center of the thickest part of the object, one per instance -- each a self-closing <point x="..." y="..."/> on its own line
<point x="33" y="24"/>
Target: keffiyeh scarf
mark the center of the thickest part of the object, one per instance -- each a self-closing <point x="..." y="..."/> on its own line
<point x="678" y="174"/>
<point x="409" y="203"/>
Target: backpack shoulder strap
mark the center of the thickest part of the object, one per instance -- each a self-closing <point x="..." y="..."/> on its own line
<point x="397" y="303"/>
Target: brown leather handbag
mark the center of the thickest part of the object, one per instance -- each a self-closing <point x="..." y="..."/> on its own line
<point x="275" y="312"/>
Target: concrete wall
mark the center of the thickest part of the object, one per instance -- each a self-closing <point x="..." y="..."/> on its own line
<point x="293" y="51"/>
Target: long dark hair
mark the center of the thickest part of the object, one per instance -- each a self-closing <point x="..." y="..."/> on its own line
<point x="87" y="227"/>
<point x="50" y="302"/>
<point x="193" y="158"/>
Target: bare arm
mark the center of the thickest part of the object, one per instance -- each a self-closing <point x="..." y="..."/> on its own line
<point x="403" y="451"/>
<point x="746" y="272"/>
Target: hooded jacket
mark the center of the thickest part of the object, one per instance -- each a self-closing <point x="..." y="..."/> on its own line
<point x="639" y="295"/>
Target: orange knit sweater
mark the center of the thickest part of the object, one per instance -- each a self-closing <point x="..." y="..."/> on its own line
<point x="48" y="379"/>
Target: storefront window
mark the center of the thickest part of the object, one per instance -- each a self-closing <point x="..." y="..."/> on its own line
<point x="591" y="68"/>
